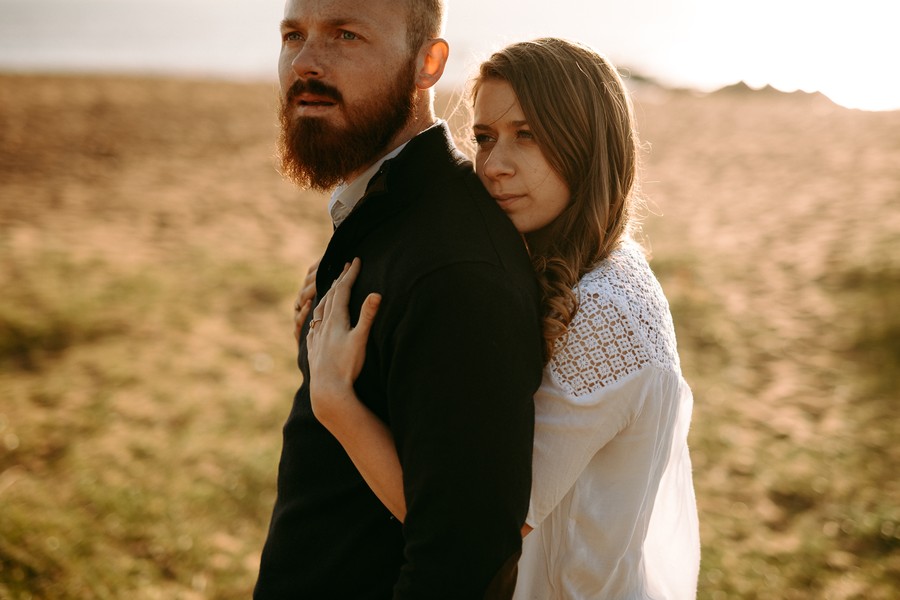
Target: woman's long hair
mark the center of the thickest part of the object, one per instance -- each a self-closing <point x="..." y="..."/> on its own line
<point x="581" y="113"/>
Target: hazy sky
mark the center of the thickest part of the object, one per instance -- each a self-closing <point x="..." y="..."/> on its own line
<point x="848" y="50"/>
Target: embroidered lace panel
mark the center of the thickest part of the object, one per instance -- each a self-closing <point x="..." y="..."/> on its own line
<point x="622" y="324"/>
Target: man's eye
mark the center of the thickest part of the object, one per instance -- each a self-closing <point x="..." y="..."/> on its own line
<point x="292" y="36"/>
<point x="348" y="35"/>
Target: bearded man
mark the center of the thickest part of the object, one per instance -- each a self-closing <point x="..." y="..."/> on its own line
<point x="454" y="357"/>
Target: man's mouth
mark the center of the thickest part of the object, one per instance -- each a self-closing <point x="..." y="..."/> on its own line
<point x="313" y="100"/>
<point x="312" y="97"/>
<point x="308" y="100"/>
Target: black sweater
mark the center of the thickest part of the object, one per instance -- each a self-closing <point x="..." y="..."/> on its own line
<point x="452" y="363"/>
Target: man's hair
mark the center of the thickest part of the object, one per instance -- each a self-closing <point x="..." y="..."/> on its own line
<point x="581" y="113"/>
<point x="424" y="21"/>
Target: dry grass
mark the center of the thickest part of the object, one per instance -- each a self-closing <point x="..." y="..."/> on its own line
<point x="778" y="252"/>
<point x="150" y="253"/>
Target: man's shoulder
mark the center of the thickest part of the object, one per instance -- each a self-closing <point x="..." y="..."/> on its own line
<point x="427" y="211"/>
<point x="456" y="221"/>
<point x="431" y="164"/>
<point x="448" y="216"/>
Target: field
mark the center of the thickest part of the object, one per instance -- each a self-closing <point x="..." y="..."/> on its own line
<point x="150" y="252"/>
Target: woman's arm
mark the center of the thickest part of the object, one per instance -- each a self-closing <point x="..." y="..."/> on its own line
<point x="336" y="356"/>
<point x="370" y="445"/>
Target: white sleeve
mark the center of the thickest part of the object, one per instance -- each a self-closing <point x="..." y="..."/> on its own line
<point x="590" y="392"/>
<point x="569" y="432"/>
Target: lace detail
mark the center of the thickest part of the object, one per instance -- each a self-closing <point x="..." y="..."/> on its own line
<point x="622" y="325"/>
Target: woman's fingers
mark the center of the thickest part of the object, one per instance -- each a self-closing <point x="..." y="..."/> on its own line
<point x="332" y="308"/>
<point x="311" y="271"/>
<point x="308" y="292"/>
<point x="325" y="304"/>
<point x="340" y="292"/>
<point x="322" y="314"/>
<point x="367" y="316"/>
<point x="303" y="301"/>
<point x="351" y="271"/>
<point x="318" y="314"/>
<point x="300" y="318"/>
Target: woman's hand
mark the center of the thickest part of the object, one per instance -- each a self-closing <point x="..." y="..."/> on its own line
<point x="337" y="351"/>
<point x="336" y="356"/>
<point x="303" y="303"/>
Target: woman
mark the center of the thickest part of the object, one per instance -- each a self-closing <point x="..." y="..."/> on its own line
<point x="612" y="513"/>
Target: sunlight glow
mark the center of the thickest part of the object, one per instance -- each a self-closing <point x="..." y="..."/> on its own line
<point x="848" y="51"/>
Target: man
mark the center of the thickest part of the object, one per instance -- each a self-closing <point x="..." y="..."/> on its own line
<point x="454" y="356"/>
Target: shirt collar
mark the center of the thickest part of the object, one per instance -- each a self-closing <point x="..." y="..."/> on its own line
<point x="346" y="196"/>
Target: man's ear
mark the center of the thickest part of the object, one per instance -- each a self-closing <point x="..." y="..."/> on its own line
<point x="431" y="62"/>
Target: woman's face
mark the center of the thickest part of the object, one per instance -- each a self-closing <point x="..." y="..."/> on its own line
<point x="510" y="163"/>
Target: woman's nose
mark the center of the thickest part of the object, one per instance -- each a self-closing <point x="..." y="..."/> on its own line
<point x="498" y="163"/>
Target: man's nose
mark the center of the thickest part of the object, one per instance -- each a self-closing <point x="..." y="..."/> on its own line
<point x="308" y="63"/>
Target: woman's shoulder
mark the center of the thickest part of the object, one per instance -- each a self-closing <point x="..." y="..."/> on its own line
<point x="622" y="325"/>
<point x="625" y="266"/>
<point x="624" y="278"/>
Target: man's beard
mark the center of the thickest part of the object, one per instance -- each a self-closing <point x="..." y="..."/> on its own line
<point x="317" y="154"/>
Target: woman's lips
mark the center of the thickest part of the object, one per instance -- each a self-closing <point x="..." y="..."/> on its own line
<point x="504" y="201"/>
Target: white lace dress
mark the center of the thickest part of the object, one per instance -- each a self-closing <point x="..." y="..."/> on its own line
<point x="612" y="503"/>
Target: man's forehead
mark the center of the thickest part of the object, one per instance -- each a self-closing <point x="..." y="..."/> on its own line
<point x="359" y="10"/>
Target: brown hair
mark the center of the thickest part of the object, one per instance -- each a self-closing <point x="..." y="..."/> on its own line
<point x="581" y="113"/>
<point x="424" y="21"/>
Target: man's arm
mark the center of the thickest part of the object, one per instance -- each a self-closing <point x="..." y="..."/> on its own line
<point x="464" y="363"/>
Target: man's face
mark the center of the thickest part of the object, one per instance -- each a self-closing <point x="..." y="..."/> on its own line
<point x="347" y="83"/>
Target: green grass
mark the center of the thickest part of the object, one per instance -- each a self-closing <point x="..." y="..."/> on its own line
<point x="50" y="305"/>
<point x="129" y="469"/>
<point x="142" y="410"/>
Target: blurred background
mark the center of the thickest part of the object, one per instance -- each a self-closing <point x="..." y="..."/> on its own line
<point x="150" y="253"/>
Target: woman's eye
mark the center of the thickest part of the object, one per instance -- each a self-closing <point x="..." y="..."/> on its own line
<point x="524" y="134"/>
<point x="481" y="139"/>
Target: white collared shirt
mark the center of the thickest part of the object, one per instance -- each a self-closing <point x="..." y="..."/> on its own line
<point x="347" y="195"/>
